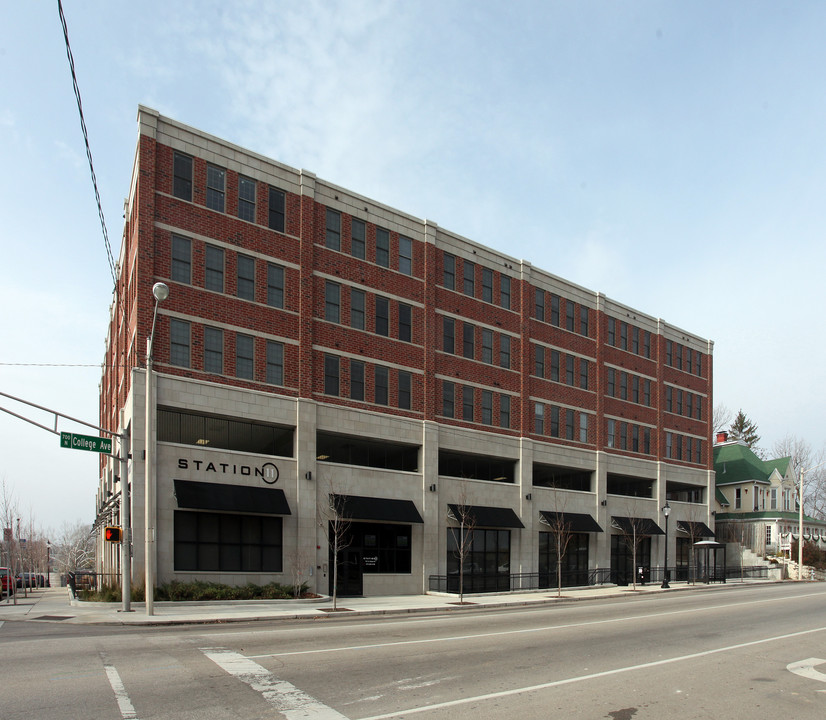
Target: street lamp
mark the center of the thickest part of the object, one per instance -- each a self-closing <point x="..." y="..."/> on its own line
<point x="666" y="512"/>
<point x="803" y="471"/>
<point x="161" y="292"/>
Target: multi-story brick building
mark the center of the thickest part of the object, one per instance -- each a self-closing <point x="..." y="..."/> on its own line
<point x="316" y="343"/>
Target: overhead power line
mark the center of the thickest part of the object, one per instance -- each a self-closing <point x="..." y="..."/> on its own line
<point x="86" y="140"/>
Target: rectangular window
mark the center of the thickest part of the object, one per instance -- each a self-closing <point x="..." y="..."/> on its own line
<point x="689" y="409"/>
<point x="555" y="365"/>
<point x="646" y="441"/>
<point x="678" y="446"/>
<point x="448" y="398"/>
<point x="383" y="247"/>
<point x="699" y="452"/>
<point x="738" y="499"/>
<point x="487" y="346"/>
<point x="623" y="382"/>
<point x="331" y="374"/>
<point x="647" y="393"/>
<point x="647" y="344"/>
<point x="405" y="322"/>
<point x="213" y="350"/>
<point x="635" y="340"/>
<point x="467" y="403"/>
<point x="179" y="343"/>
<point x="332" y="238"/>
<point x="405" y="381"/>
<point x="668" y="352"/>
<point x="275" y="363"/>
<point x="448" y="335"/>
<point x="669" y="391"/>
<point x="246" y="277"/>
<point x="181" y="260"/>
<point x="698" y="364"/>
<point x="583" y="320"/>
<point x="449" y="276"/>
<point x="246" y="199"/>
<point x="216" y="182"/>
<point x="583" y="373"/>
<point x="182" y="177"/>
<point x="382" y="316"/>
<point x="539" y="419"/>
<point x="504" y="351"/>
<point x="487" y="407"/>
<point x="356" y="309"/>
<point x="635" y="438"/>
<point x="612" y="340"/>
<point x="222" y="542"/>
<point x="610" y="436"/>
<point x="504" y="411"/>
<point x="539" y="361"/>
<point x="405" y="255"/>
<point x="554" y="310"/>
<point x="569" y="315"/>
<point x="678" y="356"/>
<point x="583" y="428"/>
<point x="688" y="359"/>
<point x="276" y="210"/>
<point x="468" y="331"/>
<point x="469" y="270"/>
<point x="505" y="292"/>
<point x="623" y="435"/>
<point x="539" y="305"/>
<point x="635" y="388"/>
<point x="688" y="454"/>
<point x="669" y="443"/>
<point x="356" y="380"/>
<point x="214" y="274"/>
<point x="275" y="286"/>
<point x="358" y="242"/>
<point x="624" y="335"/>
<point x="382" y="385"/>
<point x="554" y="421"/>
<point x="569" y="369"/>
<point x="610" y="382"/>
<point x="244" y="357"/>
<point x="569" y="424"/>
<point x="332" y="301"/>
<point x="699" y="407"/>
<point x="487" y="285"/>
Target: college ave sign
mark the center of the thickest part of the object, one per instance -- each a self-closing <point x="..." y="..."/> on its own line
<point x="85" y="442"/>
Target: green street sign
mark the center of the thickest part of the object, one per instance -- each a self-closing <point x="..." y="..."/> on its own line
<point x="85" y="442"/>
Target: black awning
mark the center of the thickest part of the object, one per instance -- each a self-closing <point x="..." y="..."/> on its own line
<point x="492" y="517"/>
<point x="695" y="529"/>
<point x="632" y="525"/>
<point x="357" y="507"/>
<point x="574" y="522"/>
<point x="230" y="498"/>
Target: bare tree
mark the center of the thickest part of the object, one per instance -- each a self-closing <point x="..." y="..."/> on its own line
<point x="805" y="459"/>
<point x="560" y="529"/>
<point x="633" y="532"/>
<point x="298" y="561"/>
<point x="74" y="547"/>
<point x="462" y="515"/>
<point x="9" y="512"/>
<point x="334" y="521"/>
<point x="695" y="513"/>
<point x="721" y="417"/>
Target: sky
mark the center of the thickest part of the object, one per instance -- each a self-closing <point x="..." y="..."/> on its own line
<point x="670" y="155"/>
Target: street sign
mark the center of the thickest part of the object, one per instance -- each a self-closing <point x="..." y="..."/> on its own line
<point x="85" y="442"/>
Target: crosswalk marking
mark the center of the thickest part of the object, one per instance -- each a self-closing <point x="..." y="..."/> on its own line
<point x="282" y="695"/>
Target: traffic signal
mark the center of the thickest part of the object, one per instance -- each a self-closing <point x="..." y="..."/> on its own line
<point x="112" y="534"/>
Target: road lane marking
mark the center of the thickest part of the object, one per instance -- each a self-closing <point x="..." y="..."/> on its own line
<point x="806" y="669"/>
<point x="285" y="697"/>
<point x="591" y="676"/>
<point x="127" y="710"/>
<point x="500" y="633"/>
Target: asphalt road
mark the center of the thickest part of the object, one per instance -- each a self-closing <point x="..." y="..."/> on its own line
<point x="746" y="652"/>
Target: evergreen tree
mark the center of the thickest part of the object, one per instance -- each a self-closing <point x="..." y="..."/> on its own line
<point x="744" y="429"/>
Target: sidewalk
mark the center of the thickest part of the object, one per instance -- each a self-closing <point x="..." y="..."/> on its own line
<point x="56" y="605"/>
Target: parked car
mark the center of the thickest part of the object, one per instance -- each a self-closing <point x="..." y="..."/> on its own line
<point x="5" y="580"/>
<point x="30" y="580"/>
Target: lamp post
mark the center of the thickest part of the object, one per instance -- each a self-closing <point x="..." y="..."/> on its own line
<point x="666" y="512"/>
<point x="803" y="471"/>
<point x="161" y="292"/>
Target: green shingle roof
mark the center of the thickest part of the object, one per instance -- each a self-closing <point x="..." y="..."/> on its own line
<point x="736" y="463"/>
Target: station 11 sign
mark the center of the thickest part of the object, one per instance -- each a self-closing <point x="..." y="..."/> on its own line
<point x="85" y="442"/>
